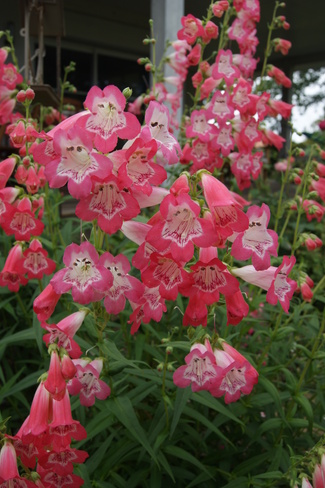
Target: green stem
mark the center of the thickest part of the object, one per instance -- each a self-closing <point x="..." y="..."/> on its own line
<point x="283" y="185"/>
<point x="304" y="372"/>
<point x="163" y="390"/>
<point x="300" y="207"/>
<point x="267" y="348"/>
<point x="268" y="48"/>
<point x="23" y="309"/>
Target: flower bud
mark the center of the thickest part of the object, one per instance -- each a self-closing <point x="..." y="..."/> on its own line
<point x="127" y="92"/>
<point x="169" y="350"/>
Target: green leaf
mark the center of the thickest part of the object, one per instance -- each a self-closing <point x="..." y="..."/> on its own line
<point x="182" y="397"/>
<point x="306" y="406"/>
<point x="124" y="412"/>
<point x="180" y="453"/>
<point x="271" y="389"/>
<point x="21" y="336"/>
<point x="251" y="463"/>
<point x="204" y="398"/>
<point x="270" y="424"/>
<point x="241" y="482"/>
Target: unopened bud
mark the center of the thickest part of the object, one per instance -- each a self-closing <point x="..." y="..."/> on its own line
<point x="169" y="350"/>
<point x="127" y="92"/>
<point x="30" y="94"/>
<point x="148" y="67"/>
<point x="165" y="339"/>
<point x="170" y="367"/>
<point x="160" y="366"/>
<point x="21" y="96"/>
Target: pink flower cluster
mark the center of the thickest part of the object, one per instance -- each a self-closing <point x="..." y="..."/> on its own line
<point x="221" y="371"/>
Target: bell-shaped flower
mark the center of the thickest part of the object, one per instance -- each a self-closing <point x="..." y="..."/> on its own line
<point x="238" y="375"/>
<point x="107" y="120"/>
<point x="21" y="222"/>
<point x="124" y="286"/>
<point x="62" y="333"/>
<point x="257" y="241"/>
<point x="157" y="120"/>
<point x="222" y="204"/>
<point x="55" y="382"/>
<point x="151" y="306"/>
<point x="63" y="428"/>
<point x="45" y="303"/>
<point x="181" y="227"/>
<point x="9" y="475"/>
<point x="110" y="203"/>
<point x="86" y="278"/>
<point x="76" y="162"/>
<point x="86" y="382"/>
<point x="35" y="262"/>
<point x="200" y="371"/>
<point x="11" y="275"/>
<point x="62" y="461"/>
<point x="35" y="426"/>
<point x="282" y="287"/>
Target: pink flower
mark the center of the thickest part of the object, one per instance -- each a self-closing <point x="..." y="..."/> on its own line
<point x="6" y="169"/>
<point x="165" y="272"/>
<point x="124" y="286"/>
<point x="238" y="375"/>
<point x="11" y="275"/>
<point x="62" y="333"/>
<point x="237" y="308"/>
<point x="45" y="303"/>
<point x="107" y="120"/>
<point x="86" y="382"/>
<point x="192" y="29"/>
<point x="257" y="241"/>
<point x="157" y="120"/>
<point x="180" y="227"/>
<point x="63" y="428"/>
<point x="9" y="475"/>
<point x="35" y="261"/>
<point x="279" y="77"/>
<point x="224" y="67"/>
<point x="35" y="426"/>
<point x="200" y="370"/>
<point x="110" y="203"/>
<point x="282" y="45"/>
<point x="220" y="7"/>
<point x="9" y="76"/>
<point x="55" y="383"/>
<point x="282" y="288"/>
<point x="86" y="278"/>
<point x="21" y="222"/>
<point x="223" y="206"/>
<point x="76" y="162"/>
<point x="60" y="462"/>
<point x="151" y="306"/>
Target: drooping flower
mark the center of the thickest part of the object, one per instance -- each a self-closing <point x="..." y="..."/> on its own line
<point x="200" y="371"/>
<point x="11" y="275"/>
<point x="157" y="120"/>
<point x="257" y="241"/>
<point x="124" y="286"/>
<point x="238" y="375"/>
<point x="110" y="203"/>
<point x="9" y="475"/>
<point x="282" y="287"/>
<point x="86" y="382"/>
<point x="35" y="262"/>
<point x="180" y="227"/>
<point x="45" y="303"/>
<point x="62" y="333"/>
